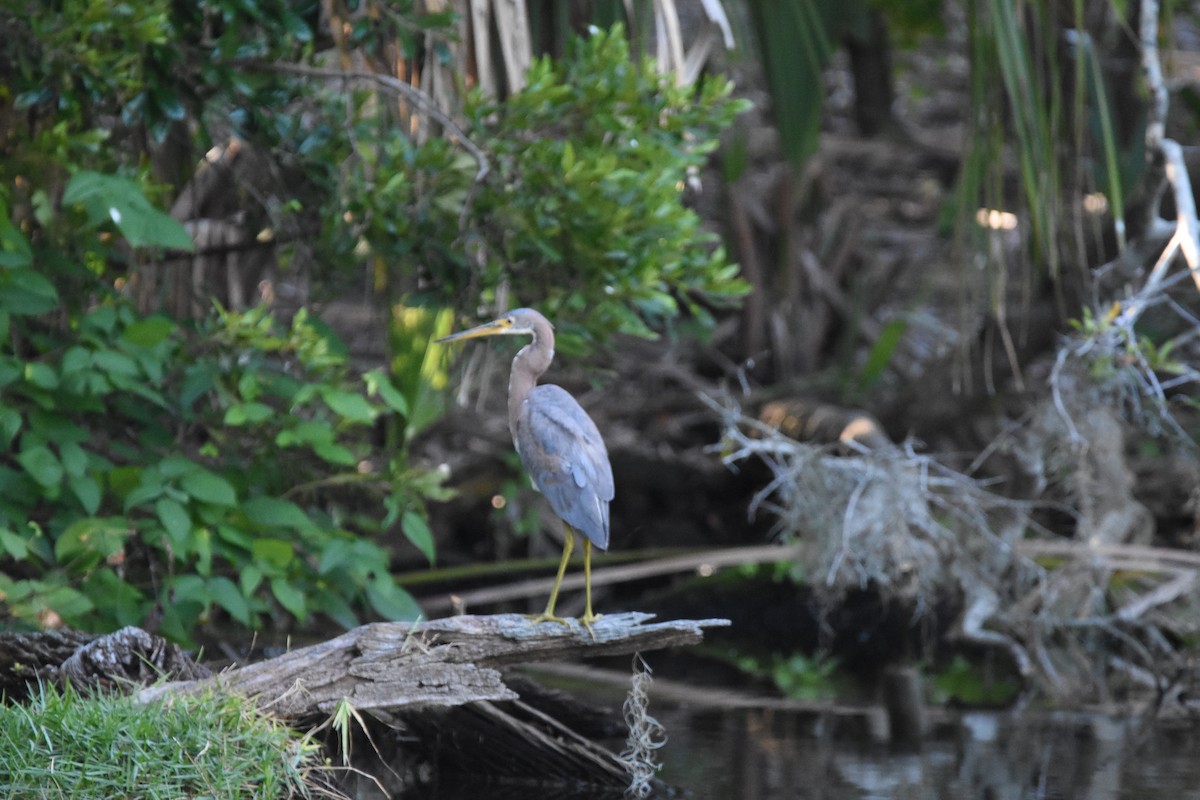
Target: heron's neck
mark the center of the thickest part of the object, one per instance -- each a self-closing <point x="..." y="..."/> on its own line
<point x="529" y="364"/>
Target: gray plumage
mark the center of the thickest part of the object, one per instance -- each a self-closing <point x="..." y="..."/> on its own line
<point x="563" y="452"/>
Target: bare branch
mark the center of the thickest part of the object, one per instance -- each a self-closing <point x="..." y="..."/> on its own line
<point x="1156" y="124"/>
<point x="1185" y="204"/>
<point x="1187" y="228"/>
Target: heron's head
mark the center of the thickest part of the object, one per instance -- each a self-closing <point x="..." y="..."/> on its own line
<point x="518" y="322"/>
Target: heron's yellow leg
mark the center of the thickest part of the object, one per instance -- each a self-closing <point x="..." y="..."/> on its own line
<point x="568" y="546"/>
<point x="588" y="616"/>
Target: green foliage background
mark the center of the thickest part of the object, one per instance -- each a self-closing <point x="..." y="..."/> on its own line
<point x="173" y="472"/>
<point x="590" y="163"/>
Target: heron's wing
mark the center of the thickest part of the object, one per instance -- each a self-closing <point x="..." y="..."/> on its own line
<point x="564" y="454"/>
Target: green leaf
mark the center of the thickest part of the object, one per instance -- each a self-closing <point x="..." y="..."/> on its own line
<point x="202" y="542"/>
<point x="882" y="351"/>
<point x="334" y="453"/>
<point x="124" y="481"/>
<point x="112" y="197"/>
<point x="336" y="608"/>
<point x="208" y="488"/>
<point x="295" y="25"/>
<point x="123" y="603"/>
<point x="310" y="433"/>
<point x="67" y="602"/>
<point x="349" y="405"/>
<point x="175" y="466"/>
<point x="250" y="579"/>
<point x="90" y="540"/>
<point x="76" y="359"/>
<point x="190" y="589"/>
<point x="10" y="369"/>
<point x="74" y="459"/>
<point x="236" y="535"/>
<point x="87" y="491"/>
<point x="392" y="602"/>
<point x="176" y="521"/>
<point x="242" y="413"/>
<point x="336" y="553"/>
<point x="272" y="512"/>
<point x="25" y="292"/>
<point x="149" y="332"/>
<point x="10" y="425"/>
<point x="41" y="375"/>
<point x="116" y="364"/>
<point x="13" y="544"/>
<point x="101" y="320"/>
<point x="177" y="621"/>
<point x="227" y="595"/>
<point x="57" y="428"/>
<point x="378" y="383"/>
<point x="41" y="465"/>
<point x="14" y="247"/>
<point x="275" y="553"/>
<point x="289" y="597"/>
<point x="149" y="489"/>
<point x="198" y="380"/>
<point x="416" y="530"/>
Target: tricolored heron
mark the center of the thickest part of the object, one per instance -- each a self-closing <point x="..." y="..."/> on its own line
<point x="558" y="443"/>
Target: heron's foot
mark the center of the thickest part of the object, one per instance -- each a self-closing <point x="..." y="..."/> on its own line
<point x="548" y="616"/>
<point x="587" y="620"/>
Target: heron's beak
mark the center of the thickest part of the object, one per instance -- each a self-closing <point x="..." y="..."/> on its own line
<point x="496" y="327"/>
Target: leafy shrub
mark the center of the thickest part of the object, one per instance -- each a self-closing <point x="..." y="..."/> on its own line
<point x="157" y="471"/>
<point x="585" y="206"/>
<point x="582" y="213"/>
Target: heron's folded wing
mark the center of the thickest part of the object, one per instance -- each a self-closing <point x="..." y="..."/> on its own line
<point x="563" y="452"/>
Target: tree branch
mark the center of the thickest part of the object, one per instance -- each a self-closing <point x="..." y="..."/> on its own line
<point x="1186" y="237"/>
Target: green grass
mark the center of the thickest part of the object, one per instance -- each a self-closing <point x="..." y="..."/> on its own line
<point x="61" y="744"/>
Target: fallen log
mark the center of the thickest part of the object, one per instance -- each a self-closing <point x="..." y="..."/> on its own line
<point x="441" y="662"/>
<point x="440" y="681"/>
<point x="440" y="685"/>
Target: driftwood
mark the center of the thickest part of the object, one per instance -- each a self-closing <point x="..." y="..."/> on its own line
<point x="443" y="662"/>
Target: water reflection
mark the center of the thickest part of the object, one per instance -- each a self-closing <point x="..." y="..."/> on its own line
<point x="735" y="749"/>
<point x="769" y="753"/>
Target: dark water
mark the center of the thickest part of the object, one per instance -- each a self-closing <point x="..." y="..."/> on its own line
<point x="729" y="751"/>
<point x="770" y="754"/>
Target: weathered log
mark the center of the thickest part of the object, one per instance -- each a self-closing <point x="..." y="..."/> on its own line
<point x="435" y="683"/>
<point x="444" y="662"/>
<point x="29" y="658"/>
<point x="124" y="657"/>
